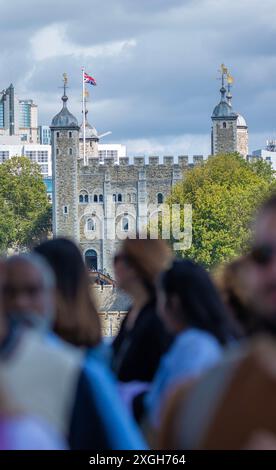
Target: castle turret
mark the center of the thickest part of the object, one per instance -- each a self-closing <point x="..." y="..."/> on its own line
<point x="229" y="131"/>
<point x="91" y="140"/>
<point x="65" y="151"/>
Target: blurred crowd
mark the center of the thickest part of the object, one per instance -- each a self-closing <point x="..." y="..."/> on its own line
<point x="192" y="367"/>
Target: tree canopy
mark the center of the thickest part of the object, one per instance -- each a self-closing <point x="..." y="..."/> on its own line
<point x="25" y="212"/>
<point x="224" y="192"/>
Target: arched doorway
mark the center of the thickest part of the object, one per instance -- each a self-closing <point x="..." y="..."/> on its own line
<point x="91" y="260"/>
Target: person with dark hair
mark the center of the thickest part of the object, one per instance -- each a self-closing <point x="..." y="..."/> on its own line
<point x="76" y="318"/>
<point x="142" y="338"/>
<point x="191" y="308"/>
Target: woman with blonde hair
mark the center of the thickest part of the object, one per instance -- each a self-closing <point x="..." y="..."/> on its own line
<point x="142" y="338"/>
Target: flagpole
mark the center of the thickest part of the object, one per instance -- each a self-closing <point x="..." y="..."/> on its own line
<point x="83" y="118"/>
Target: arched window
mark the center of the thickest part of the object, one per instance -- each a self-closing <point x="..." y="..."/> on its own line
<point x="119" y="198"/>
<point x="83" y="197"/>
<point x="91" y="225"/>
<point x="91" y="260"/>
<point x="224" y="125"/>
<point x="57" y="151"/>
<point x="160" y="198"/>
<point x="70" y="135"/>
<point x="57" y="134"/>
<point x="100" y="198"/>
<point x="114" y="198"/>
<point x="70" y="151"/>
<point x="95" y="198"/>
<point x="125" y="224"/>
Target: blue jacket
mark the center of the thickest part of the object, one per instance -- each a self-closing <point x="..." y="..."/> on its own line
<point x="192" y="352"/>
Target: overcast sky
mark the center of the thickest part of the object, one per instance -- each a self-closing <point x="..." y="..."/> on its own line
<point x="155" y="61"/>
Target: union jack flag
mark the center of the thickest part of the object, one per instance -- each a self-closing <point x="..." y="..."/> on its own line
<point x="88" y="79"/>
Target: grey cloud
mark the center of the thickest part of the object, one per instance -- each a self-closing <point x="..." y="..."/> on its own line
<point x="165" y="85"/>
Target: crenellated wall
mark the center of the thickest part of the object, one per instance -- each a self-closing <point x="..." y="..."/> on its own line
<point x="140" y="161"/>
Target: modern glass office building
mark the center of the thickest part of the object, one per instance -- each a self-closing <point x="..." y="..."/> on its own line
<point x="18" y="117"/>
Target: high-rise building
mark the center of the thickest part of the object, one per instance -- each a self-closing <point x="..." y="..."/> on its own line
<point x="28" y="126"/>
<point x="9" y="112"/>
<point x="45" y="135"/>
<point x="18" y="117"/>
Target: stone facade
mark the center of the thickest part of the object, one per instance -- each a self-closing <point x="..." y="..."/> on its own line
<point x="224" y="137"/>
<point x="229" y="130"/>
<point x="134" y="190"/>
<point x="65" y="146"/>
<point x="100" y="203"/>
<point x="242" y="141"/>
<point x="112" y="306"/>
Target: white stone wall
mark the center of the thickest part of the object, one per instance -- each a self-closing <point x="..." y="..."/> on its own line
<point x="242" y="141"/>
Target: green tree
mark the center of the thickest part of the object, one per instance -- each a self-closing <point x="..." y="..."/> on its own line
<point x="224" y="192"/>
<point x="25" y="212"/>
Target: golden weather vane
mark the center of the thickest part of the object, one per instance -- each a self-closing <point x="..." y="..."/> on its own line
<point x="65" y="78"/>
<point x="224" y="69"/>
<point x="230" y="79"/>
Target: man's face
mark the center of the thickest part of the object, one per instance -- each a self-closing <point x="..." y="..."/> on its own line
<point x="24" y="290"/>
<point x="262" y="273"/>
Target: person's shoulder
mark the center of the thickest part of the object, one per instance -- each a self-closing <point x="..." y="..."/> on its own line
<point x="51" y="348"/>
<point x="195" y="339"/>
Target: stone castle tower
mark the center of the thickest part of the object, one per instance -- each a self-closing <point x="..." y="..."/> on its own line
<point x="65" y="151"/>
<point x="99" y="203"/>
<point x="229" y="130"/>
<point x="91" y="139"/>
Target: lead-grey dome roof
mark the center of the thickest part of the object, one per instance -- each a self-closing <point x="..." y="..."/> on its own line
<point x="241" y="122"/>
<point x="64" y="118"/>
<point x="90" y="131"/>
<point x="224" y="109"/>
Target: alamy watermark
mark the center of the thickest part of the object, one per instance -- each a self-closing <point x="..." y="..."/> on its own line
<point x="113" y="221"/>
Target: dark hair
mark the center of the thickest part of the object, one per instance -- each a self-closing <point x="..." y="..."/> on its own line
<point x="268" y="205"/>
<point x="201" y="305"/>
<point x="76" y="319"/>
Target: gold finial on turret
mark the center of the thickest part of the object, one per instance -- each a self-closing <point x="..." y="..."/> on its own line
<point x="230" y="79"/>
<point x="65" y="78"/>
<point x="224" y="69"/>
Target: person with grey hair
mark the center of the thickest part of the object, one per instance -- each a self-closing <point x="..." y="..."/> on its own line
<point x="29" y="290"/>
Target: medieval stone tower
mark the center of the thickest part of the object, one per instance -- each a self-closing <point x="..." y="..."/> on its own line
<point x="91" y="139"/>
<point x="229" y="130"/>
<point x="65" y="151"/>
<point x="99" y="203"/>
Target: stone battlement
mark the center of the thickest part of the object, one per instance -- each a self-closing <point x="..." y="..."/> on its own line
<point x="140" y="161"/>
